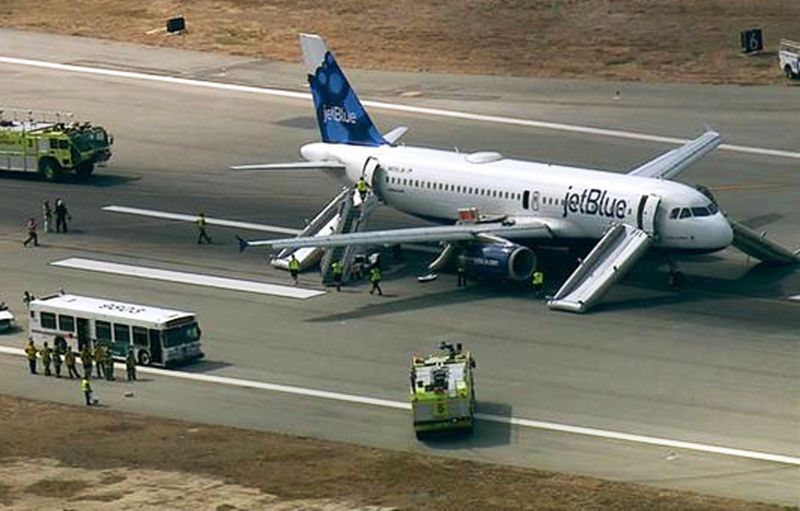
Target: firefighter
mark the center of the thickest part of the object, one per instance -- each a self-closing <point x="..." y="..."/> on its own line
<point x="69" y="360"/>
<point x="130" y="365"/>
<point x="30" y="353"/>
<point x="375" y="278"/>
<point x="461" y="271"/>
<point x="86" y="387"/>
<point x="338" y="272"/>
<point x="108" y="364"/>
<point x="538" y="283"/>
<point x="201" y="229"/>
<point x="31" y="227"/>
<point x="62" y="215"/>
<point x="362" y="187"/>
<point x="294" y="269"/>
<point x="47" y="357"/>
<point x="86" y="360"/>
<point x="47" y="216"/>
<point x="98" y="356"/>
<point x="57" y="361"/>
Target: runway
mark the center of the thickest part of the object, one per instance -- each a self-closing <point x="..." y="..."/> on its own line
<point x="717" y="363"/>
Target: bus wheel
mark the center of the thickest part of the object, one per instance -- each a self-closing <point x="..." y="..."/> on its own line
<point x="144" y="358"/>
<point x="49" y="170"/>
<point x="84" y="170"/>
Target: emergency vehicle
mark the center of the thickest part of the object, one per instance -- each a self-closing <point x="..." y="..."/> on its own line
<point x="789" y="58"/>
<point x="6" y="319"/>
<point x="158" y="336"/>
<point x="443" y="391"/>
<point x="49" y="146"/>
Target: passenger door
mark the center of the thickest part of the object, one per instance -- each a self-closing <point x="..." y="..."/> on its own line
<point x="82" y="330"/>
<point x="156" y="353"/>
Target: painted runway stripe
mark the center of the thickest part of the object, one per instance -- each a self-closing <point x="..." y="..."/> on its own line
<point x="515" y="421"/>
<point x="195" y="279"/>
<point x="795" y="297"/>
<point x="211" y="221"/>
<point x="438" y="112"/>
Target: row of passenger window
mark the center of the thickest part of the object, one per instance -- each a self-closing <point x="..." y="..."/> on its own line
<point x="103" y="329"/>
<point x="445" y="187"/>
<point x="680" y="213"/>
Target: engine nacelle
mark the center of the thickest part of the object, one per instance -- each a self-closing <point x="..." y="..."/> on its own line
<point x="499" y="261"/>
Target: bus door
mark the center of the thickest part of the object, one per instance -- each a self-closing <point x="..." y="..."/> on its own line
<point x="156" y="353"/>
<point x="84" y="339"/>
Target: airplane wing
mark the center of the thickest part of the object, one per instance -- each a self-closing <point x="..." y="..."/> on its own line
<point x="462" y="232"/>
<point x="672" y="163"/>
<point x="301" y="165"/>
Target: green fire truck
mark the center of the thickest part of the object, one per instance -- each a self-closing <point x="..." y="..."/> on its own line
<point x="443" y="391"/>
<point x="53" y="148"/>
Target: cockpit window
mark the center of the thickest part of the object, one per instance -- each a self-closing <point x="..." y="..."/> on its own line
<point x="674" y="213"/>
<point x="685" y="213"/>
<point x="712" y="208"/>
<point x="700" y="212"/>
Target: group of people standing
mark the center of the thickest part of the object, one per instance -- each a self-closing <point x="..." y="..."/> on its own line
<point x="61" y="214"/>
<point x="61" y="354"/>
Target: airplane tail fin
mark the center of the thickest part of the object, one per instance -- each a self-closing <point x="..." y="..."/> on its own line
<point x="341" y="117"/>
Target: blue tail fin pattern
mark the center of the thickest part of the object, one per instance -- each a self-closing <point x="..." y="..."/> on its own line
<point x="341" y="117"/>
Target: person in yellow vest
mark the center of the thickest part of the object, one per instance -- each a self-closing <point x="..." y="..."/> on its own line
<point x="375" y="278"/>
<point x="70" y="360"/>
<point x="86" y="360"/>
<point x="362" y="187"/>
<point x="30" y="354"/>
<point x="86" y="387"/>
<point x="201" y="229"/>
<point x="47" y="358"/>
<point x="294" y="268"/>
<point x="338" y="272"/>
<point x="538" y="283"/>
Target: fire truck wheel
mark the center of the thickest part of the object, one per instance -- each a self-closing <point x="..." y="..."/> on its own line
<point x="49" y="170"/>
<point x="84" y="170"/>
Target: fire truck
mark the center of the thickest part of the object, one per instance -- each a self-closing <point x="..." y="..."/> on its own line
<point x="51" y="145"/>
<point x="443" y="391"/>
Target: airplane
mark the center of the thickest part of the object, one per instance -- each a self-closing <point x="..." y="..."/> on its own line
<point x="494" y="211"/>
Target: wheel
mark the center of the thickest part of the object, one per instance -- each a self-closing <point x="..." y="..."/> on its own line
<point x="49" y="170"/>
<point x="84" y="170"/>
<point x="675" y="279"/>
<point x="144" y="358"/>
<point x="787" y="71"/>
<point x="420" y="435"/>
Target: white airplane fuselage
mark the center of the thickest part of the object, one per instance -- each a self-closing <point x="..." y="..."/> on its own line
<point x="435" y="184"/>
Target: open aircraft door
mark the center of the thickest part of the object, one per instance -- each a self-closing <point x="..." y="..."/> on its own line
<point x="646" y="214"/>
<point x="373" y="175"/>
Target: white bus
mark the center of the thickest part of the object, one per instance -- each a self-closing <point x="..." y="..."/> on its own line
<point x="158" y="336"/>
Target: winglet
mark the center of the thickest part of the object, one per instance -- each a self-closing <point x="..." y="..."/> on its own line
<point x="243" y="244"/>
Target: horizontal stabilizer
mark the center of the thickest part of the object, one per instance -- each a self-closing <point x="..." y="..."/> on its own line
<point x="396" y="134"/>
<point x="612" y="257"/>
<point x="301" y="165"/>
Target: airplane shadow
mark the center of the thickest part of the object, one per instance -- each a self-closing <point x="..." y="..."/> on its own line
<point x="485" y="434"/>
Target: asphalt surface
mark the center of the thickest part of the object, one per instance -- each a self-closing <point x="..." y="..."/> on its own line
<point x="716" y="363"/>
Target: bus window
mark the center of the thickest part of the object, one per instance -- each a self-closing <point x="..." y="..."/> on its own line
<point x="48" y="320"/>
<point x="140" y="336"/>
<point x="102" y="331"/>
<point x="122" y="334"/>
<point x="181" y="335"/>
<point x="66" y="323"/>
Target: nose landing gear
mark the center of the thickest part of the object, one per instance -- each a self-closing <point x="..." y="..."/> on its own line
<point x="675" y="278"/>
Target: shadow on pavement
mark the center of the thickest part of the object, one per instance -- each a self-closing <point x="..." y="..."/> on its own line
<point x="486" y="433"/>
<point x="204" y="367"/>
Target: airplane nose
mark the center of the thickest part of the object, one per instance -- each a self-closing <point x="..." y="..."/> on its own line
<point x="724" y="232"/>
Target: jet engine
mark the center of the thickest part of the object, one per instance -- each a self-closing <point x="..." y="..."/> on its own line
<point x="499" y="261"/>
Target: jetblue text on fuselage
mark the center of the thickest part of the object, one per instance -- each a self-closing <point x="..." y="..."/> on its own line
<point x="338" y="114"/>
<point x="594" y="201"/>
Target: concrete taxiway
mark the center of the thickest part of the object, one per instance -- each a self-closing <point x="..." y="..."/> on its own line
<point x="717" y="363"/>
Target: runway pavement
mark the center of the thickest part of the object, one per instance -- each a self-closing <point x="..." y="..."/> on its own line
<point x="717" y="363"/>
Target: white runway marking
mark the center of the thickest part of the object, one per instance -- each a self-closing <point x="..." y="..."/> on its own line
<point x="525" y="423"/>
<point x="195" y="279"/>
<point x="795" y="297"/>
<point x="191" y="218"/>
<point x="387" y="106"/>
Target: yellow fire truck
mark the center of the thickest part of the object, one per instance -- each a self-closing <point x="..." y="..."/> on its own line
<point x="443" y="391"/>
<point x="50" y="146"/>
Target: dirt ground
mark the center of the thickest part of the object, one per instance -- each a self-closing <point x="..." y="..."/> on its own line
<point x="57" y="457"/>
<point x="653" y="40"/>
